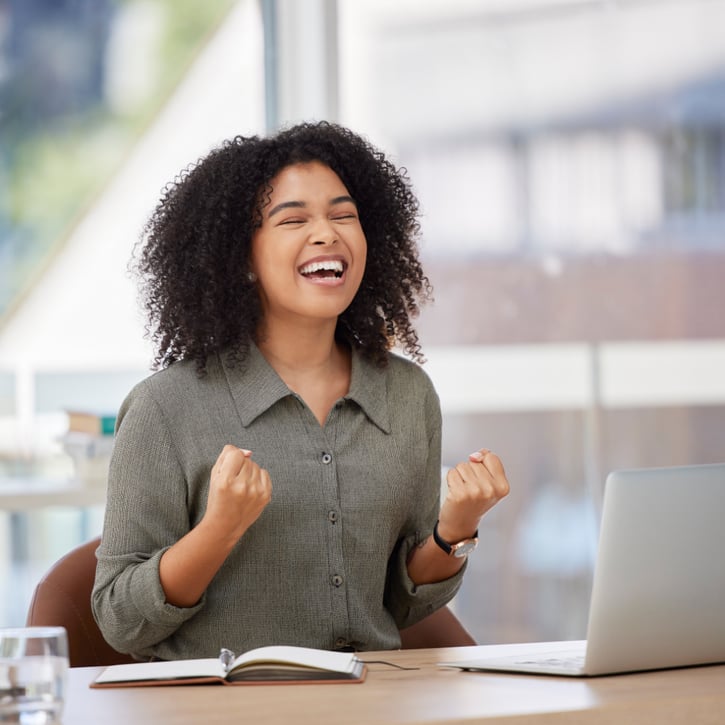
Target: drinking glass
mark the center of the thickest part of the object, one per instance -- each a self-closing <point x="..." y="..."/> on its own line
<point x="33" y="673"/>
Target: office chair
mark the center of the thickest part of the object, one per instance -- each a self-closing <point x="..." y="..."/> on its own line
<point x="440" y="629"/>
<point x="63" y="597"/>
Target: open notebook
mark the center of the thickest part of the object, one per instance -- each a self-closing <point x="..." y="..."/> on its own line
<point x="658" y="597"/>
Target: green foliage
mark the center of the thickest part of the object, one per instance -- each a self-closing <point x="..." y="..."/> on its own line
<point x="53" y="171"/>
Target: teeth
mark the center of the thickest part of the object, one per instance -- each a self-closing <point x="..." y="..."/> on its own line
<point x="332" y="265"/>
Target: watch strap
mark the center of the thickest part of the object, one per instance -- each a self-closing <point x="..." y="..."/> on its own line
<point x="448" y="547"/>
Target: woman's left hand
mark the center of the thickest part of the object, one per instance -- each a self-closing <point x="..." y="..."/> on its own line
<point x="474" y="487"/>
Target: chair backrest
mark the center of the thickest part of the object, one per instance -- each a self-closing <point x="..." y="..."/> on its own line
<point x="63" y="597"/>
<point x="440" y="629"/>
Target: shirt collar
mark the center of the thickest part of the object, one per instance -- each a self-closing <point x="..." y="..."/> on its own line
<point x="254" y="385"/>
<point x="262" y="387"/>
<point x="368" y="388"/>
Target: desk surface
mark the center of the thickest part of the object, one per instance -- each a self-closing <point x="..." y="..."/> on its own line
<point x="430" y="695"/>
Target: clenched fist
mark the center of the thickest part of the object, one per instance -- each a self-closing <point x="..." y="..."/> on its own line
<point x="474" y="487"/>
<point x="239" y="490"/>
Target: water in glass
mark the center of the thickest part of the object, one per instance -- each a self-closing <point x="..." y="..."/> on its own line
<point x="33" y="671"/>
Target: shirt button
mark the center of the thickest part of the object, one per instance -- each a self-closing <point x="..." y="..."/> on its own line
<point x="336" y="580"/>
<point x="326" y="458"/>
<point x="340" y="642"/>
<point x="332" y="516"/>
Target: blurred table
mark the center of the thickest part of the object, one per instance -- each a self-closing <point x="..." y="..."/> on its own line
<point x="20" y="497"/>
<point x="21" y="494"/>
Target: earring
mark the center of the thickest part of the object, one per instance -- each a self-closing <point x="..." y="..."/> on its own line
<point x="251" y="277"/>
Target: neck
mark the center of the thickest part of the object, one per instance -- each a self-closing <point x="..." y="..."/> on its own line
<point x="300" y="350"/>
<point x="310" y="362"/>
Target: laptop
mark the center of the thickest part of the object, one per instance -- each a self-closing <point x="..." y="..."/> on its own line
<point x="658" y="595"/>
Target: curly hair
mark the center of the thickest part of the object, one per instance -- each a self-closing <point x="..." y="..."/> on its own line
<point x="193" y="256"/>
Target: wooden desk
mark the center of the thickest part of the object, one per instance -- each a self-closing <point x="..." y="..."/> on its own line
<point x="430" y="695"/>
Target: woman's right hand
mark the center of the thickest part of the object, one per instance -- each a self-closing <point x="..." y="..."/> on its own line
<point x="239" y="490"/>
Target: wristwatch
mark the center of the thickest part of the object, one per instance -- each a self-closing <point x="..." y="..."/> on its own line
<point x="460" y="549"/>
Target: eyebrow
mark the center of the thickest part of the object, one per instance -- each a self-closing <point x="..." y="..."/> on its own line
<point x="301" y="204"/>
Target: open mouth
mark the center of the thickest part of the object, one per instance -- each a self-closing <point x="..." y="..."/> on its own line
<point x="327" y="269"/>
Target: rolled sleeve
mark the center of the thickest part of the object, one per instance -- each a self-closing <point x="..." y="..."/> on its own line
<point x="410" y="602"/>
<point x="132" y="611"/>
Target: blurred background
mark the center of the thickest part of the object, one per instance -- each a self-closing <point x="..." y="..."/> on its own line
<point x="569" y="156"/>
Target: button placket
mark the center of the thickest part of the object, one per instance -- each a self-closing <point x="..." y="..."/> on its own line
<point x="327" y="470"/>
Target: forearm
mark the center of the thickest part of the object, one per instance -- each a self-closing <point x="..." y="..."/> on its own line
<point x="187" y="568"/>
<point x="428" y="563"/>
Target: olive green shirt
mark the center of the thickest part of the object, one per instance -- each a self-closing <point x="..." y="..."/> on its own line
<point x="325" y="563"/>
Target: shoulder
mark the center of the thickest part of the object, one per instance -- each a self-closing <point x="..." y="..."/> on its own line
<point x="405" y="371"/>
<point x="163" y="383"/>
<point x="178" y="385"/>
<point x="410" y="387"/>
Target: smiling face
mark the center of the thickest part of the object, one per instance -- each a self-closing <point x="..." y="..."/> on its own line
<point x="309" y="252"/>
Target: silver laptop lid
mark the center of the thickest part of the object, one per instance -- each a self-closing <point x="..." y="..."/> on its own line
<point x="658" y="597"/>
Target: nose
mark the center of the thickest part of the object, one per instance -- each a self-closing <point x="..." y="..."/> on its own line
<point x="323" y="233"/>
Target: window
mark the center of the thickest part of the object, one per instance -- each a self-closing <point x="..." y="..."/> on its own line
<point x="103" y="101"/>
<point x="571" y="181"/>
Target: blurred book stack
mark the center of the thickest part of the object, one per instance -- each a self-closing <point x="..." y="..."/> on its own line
<point x="89" y="442"/>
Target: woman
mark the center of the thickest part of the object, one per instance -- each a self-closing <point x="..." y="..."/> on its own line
<point x="278" y="480"/>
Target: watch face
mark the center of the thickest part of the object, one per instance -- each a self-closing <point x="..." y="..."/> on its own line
<point x="464" y="548"/>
